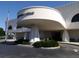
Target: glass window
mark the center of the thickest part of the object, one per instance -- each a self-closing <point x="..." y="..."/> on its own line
<point x="27" y="14"/>
<point x="10" y="27"/>
<point x="75" y="18"/>
<point x="19" y="15"/>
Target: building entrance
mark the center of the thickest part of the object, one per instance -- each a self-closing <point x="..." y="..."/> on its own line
<point x="56" y="35"/>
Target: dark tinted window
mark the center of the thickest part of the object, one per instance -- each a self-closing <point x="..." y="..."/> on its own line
<point x="27" y="14"/>
<point x="10" y="27"/>
<point x="19" y="15"/>
<point x="75" y="18"/>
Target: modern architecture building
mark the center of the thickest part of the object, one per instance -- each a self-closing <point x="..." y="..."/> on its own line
<point x="41" y="22"/>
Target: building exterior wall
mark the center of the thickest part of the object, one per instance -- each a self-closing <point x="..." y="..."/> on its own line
<point x="68" y="11"/>
<point x="41" y="18"/>
<point x="12" y="23"/>
<point x="42" y="13"/>
<point x="74" y="34"/>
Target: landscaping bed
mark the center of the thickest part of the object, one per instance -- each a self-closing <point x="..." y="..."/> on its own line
<point x="22" y="41"/>
<point x="46" y="44"/>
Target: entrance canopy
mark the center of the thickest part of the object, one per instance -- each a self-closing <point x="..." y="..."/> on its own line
<point x="44" y="18"/>
<point x="42" y="24"/>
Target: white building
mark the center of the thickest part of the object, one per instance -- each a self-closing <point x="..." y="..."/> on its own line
<point x="40" y="22"/>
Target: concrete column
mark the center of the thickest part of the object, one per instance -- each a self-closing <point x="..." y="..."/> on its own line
<point x="65" y="36"/>
<point x="14" y="36"/>
<point x="25" y="35"/>
<point x="34" y="34"/>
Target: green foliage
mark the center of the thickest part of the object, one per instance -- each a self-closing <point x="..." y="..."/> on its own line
<point x="38" y="44"/>
<point x="46" y="43"/>
<point x="22" y="41"/>
<point x="2" y="32"/>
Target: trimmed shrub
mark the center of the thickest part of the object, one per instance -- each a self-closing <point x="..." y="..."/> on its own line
<point x="38" y="44"/>
<point x="22" y="41"/>
<point x="19" y="41"/>
<point x="47" y="43"/>
<point x="25" y="42"/>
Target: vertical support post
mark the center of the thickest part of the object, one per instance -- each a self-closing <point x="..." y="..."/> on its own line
<point x="6" y="27"/>
<point x="65" y="36"/>
<point x="6" y="30"/>
<point x="34" y="34"/>
<point x="25" y="34"/>
<point x="14" y="36"/>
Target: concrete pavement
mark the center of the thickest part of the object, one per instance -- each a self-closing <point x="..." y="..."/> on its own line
<point x="15" y="51"/>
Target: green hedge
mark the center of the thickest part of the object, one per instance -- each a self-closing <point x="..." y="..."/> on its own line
<point x="47" y="43"/>
<point x="22" y="41"/>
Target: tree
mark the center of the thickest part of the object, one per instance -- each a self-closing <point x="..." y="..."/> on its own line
<point x="2" y="32"/>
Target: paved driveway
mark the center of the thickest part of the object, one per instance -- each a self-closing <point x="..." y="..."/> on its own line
<point x="14" y="51"/>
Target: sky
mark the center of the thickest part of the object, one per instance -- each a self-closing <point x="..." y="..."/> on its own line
<point x="14" y="6"/>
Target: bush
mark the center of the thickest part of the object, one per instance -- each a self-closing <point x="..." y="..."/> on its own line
<point x="47" y="43"/>
<point x="25" y="42"/>
<point x="22" y="41"/>
<point x="19" y="41"/>
<point x="2" y="32"/>
<point x="38" y="44"/>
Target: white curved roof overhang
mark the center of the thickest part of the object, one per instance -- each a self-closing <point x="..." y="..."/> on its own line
<point x="55" y="19"/>
<point x="42" y="24"/>
<point x="30" y="7"/>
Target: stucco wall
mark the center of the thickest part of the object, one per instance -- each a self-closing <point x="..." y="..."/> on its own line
<point x="12" y="23"/>
<point x="41" y="13"/>
<point x="74" y="34"/>
<point x="68" y="11"/>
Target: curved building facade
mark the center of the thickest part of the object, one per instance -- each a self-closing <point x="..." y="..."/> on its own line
<point x="40" y="22"/>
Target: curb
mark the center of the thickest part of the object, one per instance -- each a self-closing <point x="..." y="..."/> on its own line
<point x="41" y="47"/>
<point x="71" y="43"/>
<point x="25" y="45"/>
<point x="50" y="47"/>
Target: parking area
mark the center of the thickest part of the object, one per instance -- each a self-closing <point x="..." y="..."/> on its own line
<point x="17" y="51"/>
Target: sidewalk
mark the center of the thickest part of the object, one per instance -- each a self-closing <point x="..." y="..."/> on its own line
<point x="9" y="40"/>
<point x="72" y="43"/>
